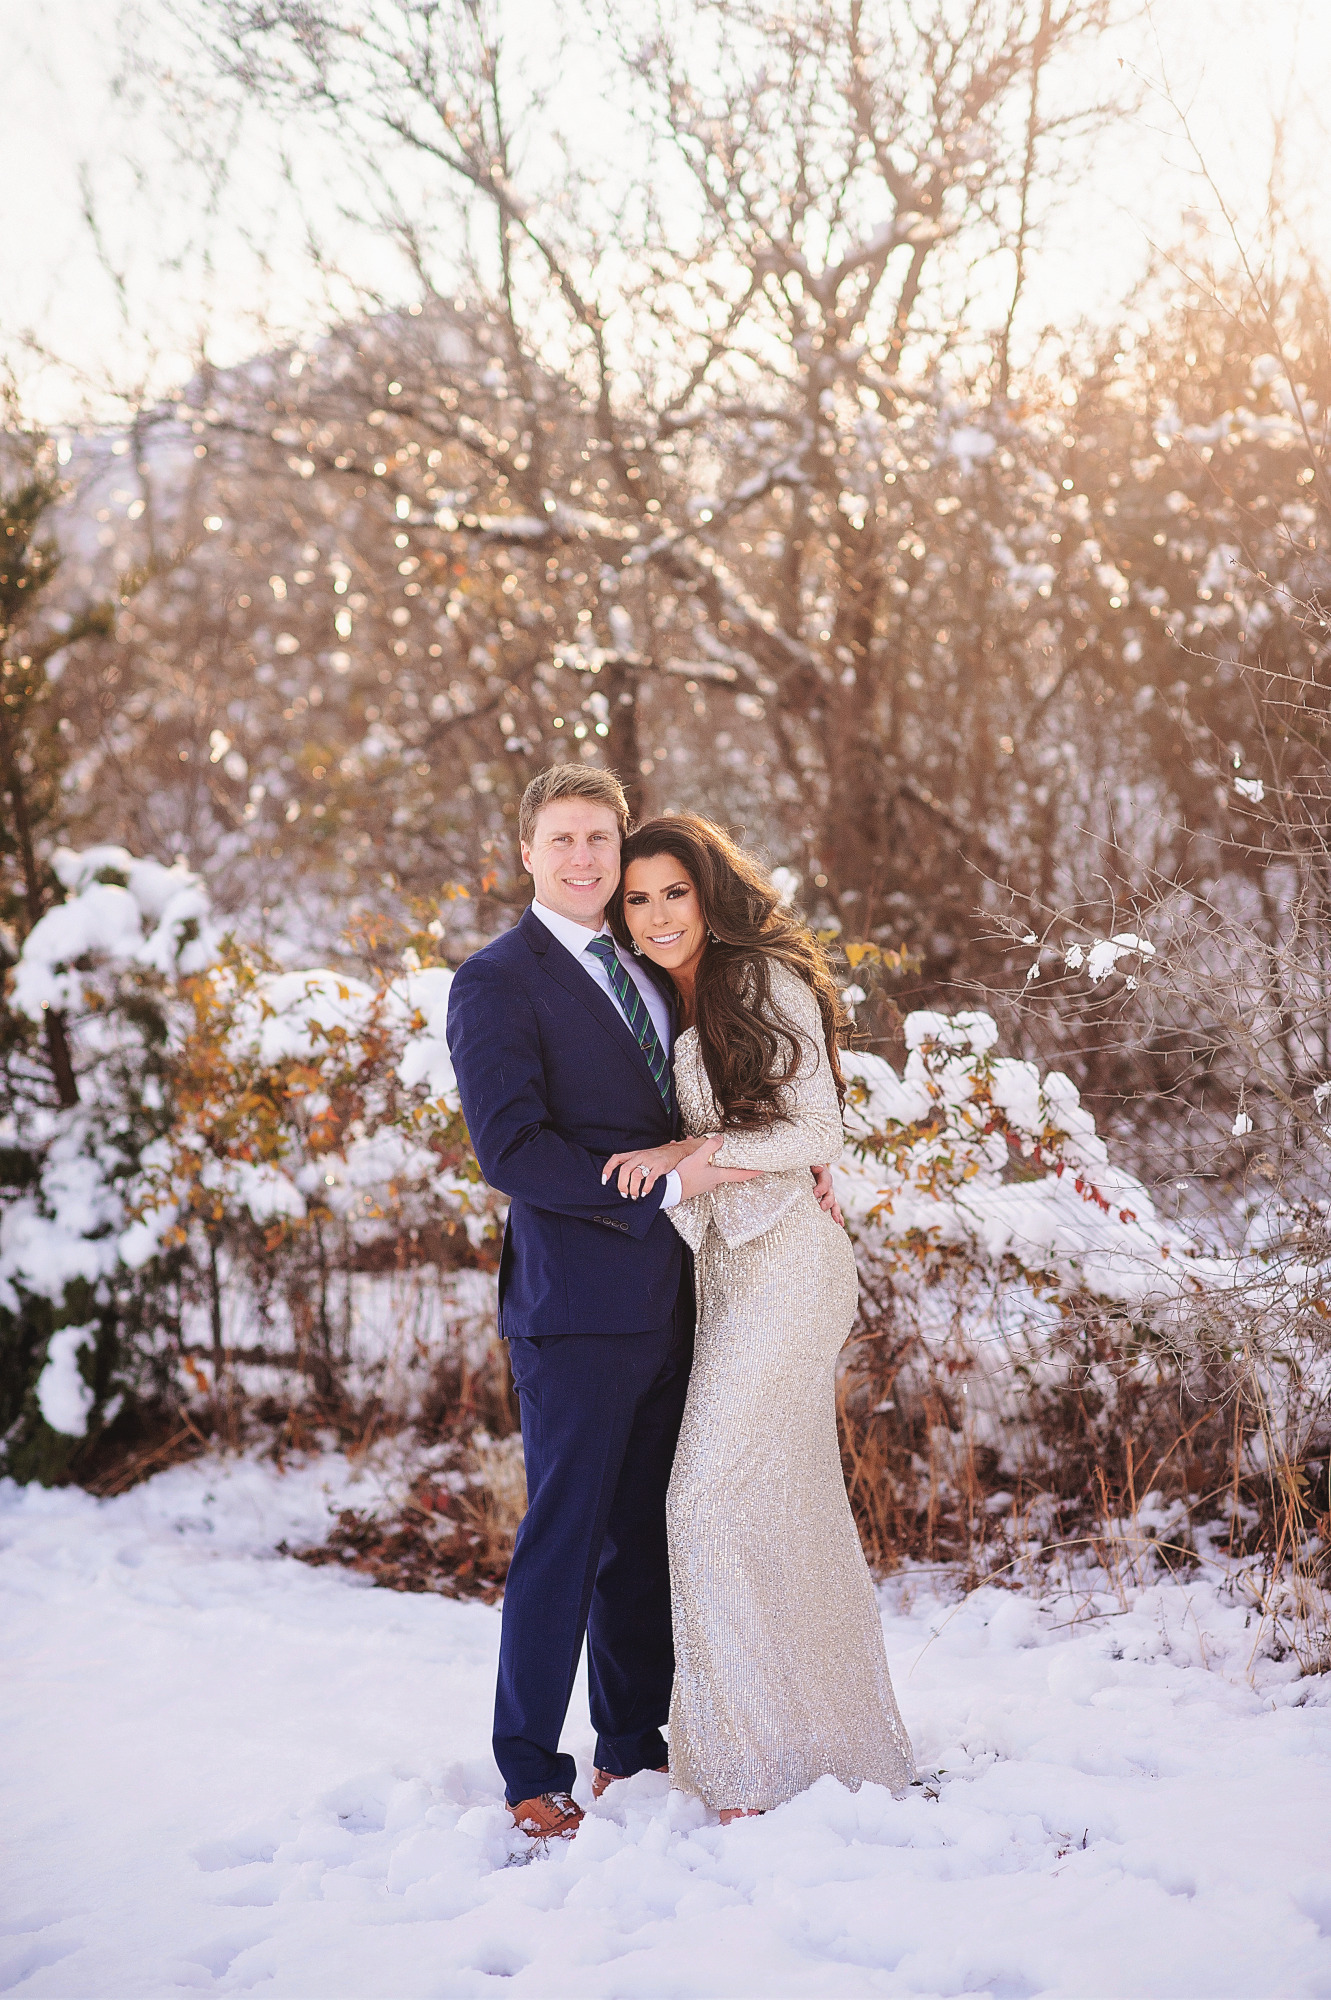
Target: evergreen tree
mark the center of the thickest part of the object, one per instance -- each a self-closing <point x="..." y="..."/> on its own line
<point x="32" y="749"/>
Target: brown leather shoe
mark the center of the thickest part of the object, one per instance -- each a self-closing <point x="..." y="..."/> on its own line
<point x="603" y="1780"/>
<point x="550" y="1816"/>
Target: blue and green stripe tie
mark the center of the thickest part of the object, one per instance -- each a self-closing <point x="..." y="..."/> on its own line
<point x="634" y="1009"/>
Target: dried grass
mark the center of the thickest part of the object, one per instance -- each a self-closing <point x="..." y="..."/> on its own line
<point x="1125" y="1470"/>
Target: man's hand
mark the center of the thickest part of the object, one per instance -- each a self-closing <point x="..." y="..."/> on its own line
<point x="639" y="1170"/>
<point x="825" y="1195"/>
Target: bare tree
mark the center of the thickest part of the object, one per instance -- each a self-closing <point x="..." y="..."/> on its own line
<point x="711" y="395"/>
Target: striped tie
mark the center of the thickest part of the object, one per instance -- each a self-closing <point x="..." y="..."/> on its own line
<point x="634" y="1009"/>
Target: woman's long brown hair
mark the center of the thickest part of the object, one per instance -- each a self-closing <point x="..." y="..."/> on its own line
<point x="746" y="1052"/>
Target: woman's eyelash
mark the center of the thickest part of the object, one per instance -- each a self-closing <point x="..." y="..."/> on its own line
<point x="672" y="896"/>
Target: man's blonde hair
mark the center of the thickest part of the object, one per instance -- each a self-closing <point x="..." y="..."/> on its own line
<point x="571" y="781"/>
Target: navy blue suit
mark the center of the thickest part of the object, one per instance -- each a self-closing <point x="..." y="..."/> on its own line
<point x="596" y="1301"/>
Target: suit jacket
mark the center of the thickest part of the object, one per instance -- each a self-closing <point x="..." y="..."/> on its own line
<point x="552" y="1083"/>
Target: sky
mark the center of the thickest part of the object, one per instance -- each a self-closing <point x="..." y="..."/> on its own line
<point x="69" y="144"/>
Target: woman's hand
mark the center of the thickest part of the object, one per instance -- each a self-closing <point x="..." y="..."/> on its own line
<point x="697" y="1175"/>
<point x="825" y="1195"/>
<point x="639" y="1170"/>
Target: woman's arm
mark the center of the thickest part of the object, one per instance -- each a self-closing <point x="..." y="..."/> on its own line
<point x="690" y="1158"/>
<point x="811" y="1134"/>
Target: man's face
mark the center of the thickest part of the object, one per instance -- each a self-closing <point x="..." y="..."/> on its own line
<point x="573" y="859"/>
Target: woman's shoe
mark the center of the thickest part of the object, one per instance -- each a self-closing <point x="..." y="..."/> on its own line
<point x="728" y="1813"/>
<point x="602" y="1780"/>
<point x="550" y="1816"/>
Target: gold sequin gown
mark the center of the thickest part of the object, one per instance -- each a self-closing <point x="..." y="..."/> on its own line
<point x="781" y="1674"/>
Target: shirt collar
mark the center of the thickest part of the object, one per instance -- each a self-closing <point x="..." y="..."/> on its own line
<point x="573" y="936"/>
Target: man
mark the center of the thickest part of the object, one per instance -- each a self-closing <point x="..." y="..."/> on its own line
<point x="562" y="1053"/>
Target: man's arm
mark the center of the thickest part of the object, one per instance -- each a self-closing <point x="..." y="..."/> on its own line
<point x="496" y="1050"/>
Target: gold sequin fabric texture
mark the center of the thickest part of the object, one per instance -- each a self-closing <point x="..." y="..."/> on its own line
<point x="781" y="1674"/>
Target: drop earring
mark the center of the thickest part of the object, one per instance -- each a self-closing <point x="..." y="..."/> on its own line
<point x="635" y="948"/>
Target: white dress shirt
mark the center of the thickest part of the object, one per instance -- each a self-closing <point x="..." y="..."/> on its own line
<point x="575" y="938"/>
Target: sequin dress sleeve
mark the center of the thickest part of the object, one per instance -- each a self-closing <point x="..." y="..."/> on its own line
<point x="808" y="1134"/>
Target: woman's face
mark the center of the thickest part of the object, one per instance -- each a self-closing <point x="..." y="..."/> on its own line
<point x="662" y="911"/>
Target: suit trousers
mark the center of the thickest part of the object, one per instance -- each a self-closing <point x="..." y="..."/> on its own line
<point x="600" y="1418"/>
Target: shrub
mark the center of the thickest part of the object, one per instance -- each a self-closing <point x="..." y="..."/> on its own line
<point x="1040" y="1357"/>
<point x="247" y="1144"/>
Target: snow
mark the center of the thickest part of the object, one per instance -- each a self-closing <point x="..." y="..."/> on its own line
<point x="297" y="1016"/>
<point x="290" y="1016"/>
<point x="227" y="1772"/>
<point x="51" y="1238"/>
<point x="1015" y="1089"/>
<point x="104" y="919"/>
<point x="1105" y="954"/>
<point x="971" y="445"/>
<point x="143" y="1240"/>
<point x="63" y="1396"/>
<point x="975" y="1033"/>
<point x="426" y="1059"/>
<point x="620" y="622"/>
<point x="266" y="1192"/>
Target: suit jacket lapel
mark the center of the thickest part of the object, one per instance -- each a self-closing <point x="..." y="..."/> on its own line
<point x="607" y="1013"/>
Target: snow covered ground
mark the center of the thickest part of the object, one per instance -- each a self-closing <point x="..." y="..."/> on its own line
<point x="226" y="1772"/>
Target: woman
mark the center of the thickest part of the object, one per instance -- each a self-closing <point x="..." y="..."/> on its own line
<point x="780" y="1670"/>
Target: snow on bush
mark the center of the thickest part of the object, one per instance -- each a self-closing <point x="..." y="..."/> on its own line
<point x="973" y="1154"/>
<point x="224" y="1109"/>
<point x="63" y="1396"/>
<point x="312" y="1095"/>
<point x="58" y="1230"/>
<point x="105" y="965"/>
<point x="119" y="911"/>
<point x="107" y="959"/>
<point x="1025" y="1259"/>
